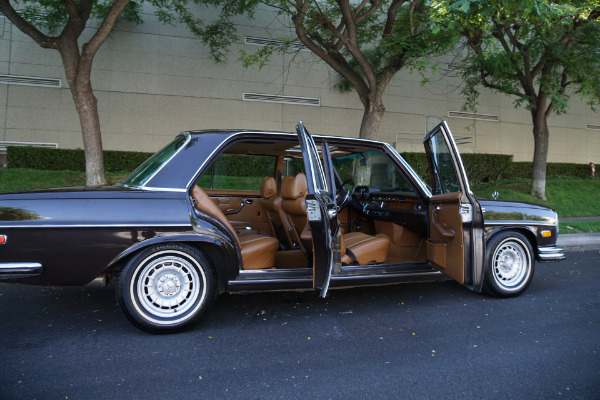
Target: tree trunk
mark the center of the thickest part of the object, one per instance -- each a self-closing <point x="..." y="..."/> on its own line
<point x="87" y="108"/>
<point x="78" y="70"/>
<point x="540" y="154"/>
<point x="371" y="120"/>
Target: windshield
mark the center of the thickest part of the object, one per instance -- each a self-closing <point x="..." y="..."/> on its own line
<point x="151" y="166"/>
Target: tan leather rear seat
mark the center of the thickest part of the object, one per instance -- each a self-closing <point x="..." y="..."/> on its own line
<point x="258" y="251"/>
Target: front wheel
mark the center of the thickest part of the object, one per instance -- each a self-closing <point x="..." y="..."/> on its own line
<point x="166" y="288"/>
<point x="509" y="265"/>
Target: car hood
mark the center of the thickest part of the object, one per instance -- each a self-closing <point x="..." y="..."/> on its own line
<point x="497" y="210"/>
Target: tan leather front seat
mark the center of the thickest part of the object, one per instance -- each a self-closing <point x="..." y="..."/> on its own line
<point x="357" y="247"/>
<point x="258" y="251"/>
<point x="272" y="203"/>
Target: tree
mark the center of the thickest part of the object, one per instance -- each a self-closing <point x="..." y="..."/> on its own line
<point x="71" y="17"/>
<point x="540" y="51"/>
<point x="367" y="43"/>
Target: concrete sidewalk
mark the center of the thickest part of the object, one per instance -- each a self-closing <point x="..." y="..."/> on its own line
<point x="578" y="239"/>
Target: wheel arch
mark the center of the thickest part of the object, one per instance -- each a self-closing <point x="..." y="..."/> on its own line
<point x="220" y="252"/>
<point x="526" y="231"/>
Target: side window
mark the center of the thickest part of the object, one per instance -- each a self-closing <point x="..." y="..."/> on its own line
<point x="373" y="170"/>
<point x="292" y="166"/>
<point x="237" y="172"/>
<point x="444" y="175"/>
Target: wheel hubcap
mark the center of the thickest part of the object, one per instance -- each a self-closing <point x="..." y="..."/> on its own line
<point x="511" y="265"/>
<point x="168" y="286"/>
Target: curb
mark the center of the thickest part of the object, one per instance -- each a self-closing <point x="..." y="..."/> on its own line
<point x="578" y="240"/>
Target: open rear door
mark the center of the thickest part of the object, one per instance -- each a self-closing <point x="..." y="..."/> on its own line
<point x="321" y="209"/>
<point x="455" y="244"/>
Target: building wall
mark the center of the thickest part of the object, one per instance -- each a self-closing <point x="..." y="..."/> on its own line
<point x="152" y="81"/>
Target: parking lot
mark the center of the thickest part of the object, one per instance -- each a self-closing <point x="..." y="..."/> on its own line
<point x="413" y="341"/>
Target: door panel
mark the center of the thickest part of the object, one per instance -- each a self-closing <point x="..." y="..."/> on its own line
<point x="454" y="214"/>
<point x="244" y="212"/>
<point x="445" y="246"/>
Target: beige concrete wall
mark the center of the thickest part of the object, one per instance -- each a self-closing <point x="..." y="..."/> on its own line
<point x="153" y="81"/>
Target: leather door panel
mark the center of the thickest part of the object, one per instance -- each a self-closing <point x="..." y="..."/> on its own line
<point x="445" y="246"/>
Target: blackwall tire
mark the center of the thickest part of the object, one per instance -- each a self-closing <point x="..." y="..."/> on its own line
<point x="166" y="288"/>
<point x="509" y="265"/>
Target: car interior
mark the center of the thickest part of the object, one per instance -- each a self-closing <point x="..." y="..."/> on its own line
<point x="258" y="192"/>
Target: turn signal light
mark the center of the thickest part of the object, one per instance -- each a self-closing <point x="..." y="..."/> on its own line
<point x="546" y="233"/>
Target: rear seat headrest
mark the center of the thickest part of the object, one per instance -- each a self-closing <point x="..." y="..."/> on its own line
<point x="268" y="187"/>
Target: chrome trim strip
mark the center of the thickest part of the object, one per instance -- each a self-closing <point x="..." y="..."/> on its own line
<point x="96" y="226"/>
<point x="20" y="269"/>
<point x="524" y="222"/>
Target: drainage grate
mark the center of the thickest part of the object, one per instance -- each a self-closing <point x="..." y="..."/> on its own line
<point x="255" y="41"/>
<point x="594" y="127"/>
<point x="466" y="115"/>
<point x="30" y="81"/>
<point x="273" y="98"/>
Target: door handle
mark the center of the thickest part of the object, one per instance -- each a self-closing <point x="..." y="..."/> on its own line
<point x="237" y="210"/>
<point x="441" y="226"/>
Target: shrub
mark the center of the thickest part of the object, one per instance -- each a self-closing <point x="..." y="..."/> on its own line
<point x="480" y="167"/>
<point x="70" y="160"/>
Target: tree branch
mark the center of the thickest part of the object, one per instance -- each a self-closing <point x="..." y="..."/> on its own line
<point x="391" y="16"/>
<point x="43" y="40"/>
<point x="91" y="47"/>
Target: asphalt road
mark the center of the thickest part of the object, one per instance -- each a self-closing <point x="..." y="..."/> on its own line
<point x="412" y="341"/>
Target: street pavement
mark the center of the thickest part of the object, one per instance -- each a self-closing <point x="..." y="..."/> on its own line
<point x="412" y="341"/>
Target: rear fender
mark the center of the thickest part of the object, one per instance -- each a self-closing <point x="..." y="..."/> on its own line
<point x="219" y="249"/>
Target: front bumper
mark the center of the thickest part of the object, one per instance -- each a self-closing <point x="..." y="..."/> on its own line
<point x="551" y="253"/>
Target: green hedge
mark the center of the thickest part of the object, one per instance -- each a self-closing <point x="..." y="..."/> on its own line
<point x="553" y="170"/>
<point x="480" y="167"/>
<point x="70" y="160"/>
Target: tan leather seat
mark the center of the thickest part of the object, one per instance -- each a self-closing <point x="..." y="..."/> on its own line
<point x="271" y="201"/>
<point x="357" y="247"/>
<point x="258" y="251"/>
<point x="364" y="249"/>
<point x="293" y="203"/>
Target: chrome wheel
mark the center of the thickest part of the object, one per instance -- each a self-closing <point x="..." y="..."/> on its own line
<point x="169" y="285"/>
<point x="510" y="265"/>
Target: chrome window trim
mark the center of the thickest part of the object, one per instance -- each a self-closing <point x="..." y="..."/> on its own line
<point x="150" y="188"/>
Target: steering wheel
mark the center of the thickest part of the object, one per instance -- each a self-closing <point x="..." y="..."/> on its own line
<point x="344" y="193"/>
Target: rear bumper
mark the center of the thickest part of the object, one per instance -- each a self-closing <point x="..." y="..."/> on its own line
<point x="12" y="270"/>
<point x="552" y="253"/>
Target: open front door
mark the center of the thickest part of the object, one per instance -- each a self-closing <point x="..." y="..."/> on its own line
<point x="455" y="242"/>
<point x="321" y="209"/>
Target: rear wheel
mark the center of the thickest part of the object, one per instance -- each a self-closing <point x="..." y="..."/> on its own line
<point x="509" y="265"/>
<point x="166" y="288"/>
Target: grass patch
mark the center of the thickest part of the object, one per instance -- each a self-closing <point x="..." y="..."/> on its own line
<point x="18" y="179"/>
<point x="570" y="197"/>
<point x="579" y="227"/>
